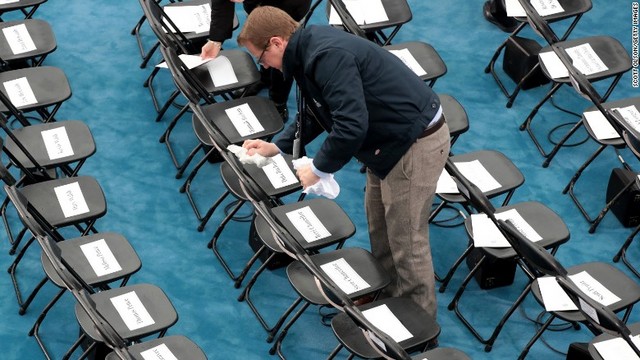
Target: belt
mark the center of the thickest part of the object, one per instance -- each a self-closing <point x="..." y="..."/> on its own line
<point x="430" y="130"/>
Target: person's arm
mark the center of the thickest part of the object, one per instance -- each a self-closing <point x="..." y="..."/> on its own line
<point x="220" y="28"/>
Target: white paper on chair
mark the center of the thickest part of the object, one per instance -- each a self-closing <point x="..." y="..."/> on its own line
<point x="487" y="234"/>
<point x="57" y="143"/>
<point x="71" y="200"/>
<point x="475" y="172"/>
<point x="409" y="60"/>
<point x="132" y="311"/>
<point x="602" y="129"/>
<point x="308" y="224"/>
<point x="19" y="92"/>
<point x="594" y="289"/>
<point x="221" y="71"/>
<point x="617" y="348"/>
<point x="553" y="296"/>
<point x="195" y="18"/>
<point x="446" y="184"/>
<point x="583" y="57"/>
<point x="631" y="115"/>
<point x="2" y="2"/>
<point x="543" y="7"/>
<point x="382" y="318"/>
<point x="362" y="11"/>
<point x="100" y="257"/>
<point x="279" y="173"/>
<point x="244" y="120"/>
<point x="343" y="275"/>
<point x="19" y="39"/>
<point x="160" y="352"/>
<point x="190" y="61"/>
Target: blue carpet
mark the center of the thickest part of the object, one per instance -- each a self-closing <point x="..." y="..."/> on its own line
<point x="101" y="59"/>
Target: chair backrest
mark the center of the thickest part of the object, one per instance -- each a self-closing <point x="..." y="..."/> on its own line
<point x="5" y="175"/>
<point x="29" y="215"/>
<point x="538" y="24"/>
<point x="474" y="196"/>
<point x="347" y="20"/>
<point x="188" y="84"/>
<point x="77" y="287"/>
<point x="163" y="27"/>
<point x="600" y="316"/>
<point x="39" y="168"/>
<point x="537" y="258"/>
<point x="630" y="135"/>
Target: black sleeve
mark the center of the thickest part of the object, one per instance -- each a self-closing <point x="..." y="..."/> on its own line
<point x="222" y="13"/>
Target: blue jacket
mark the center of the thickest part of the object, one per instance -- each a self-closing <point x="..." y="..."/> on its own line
<point x="371" y="104"/>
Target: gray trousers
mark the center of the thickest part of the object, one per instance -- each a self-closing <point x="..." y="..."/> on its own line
<point x="398" y="208"/>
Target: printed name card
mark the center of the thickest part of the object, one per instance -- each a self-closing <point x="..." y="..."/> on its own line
<point x="478" y="175"/>
<point x="631" y="115"/>
<point x="343" y="275"/>
<point x="221" y="71"/>
<point x="362" y="11"/>
<point x="2" y="2"/>
<point x="190" y="61"/>
<point x="583" y="57"/>
<point x="190" y="18"/>
<point x="542" y="7"/>
<point x="602" y="129"/>
<point x="487" y="234"/>
<point x="244" y="120"/>
<point x="19" y="92"/>
<point x="618" y="349"/>
<point x="71" y="199"/>
<point x="160" y="352"/>
<point x="382" y="318"/>
<point x="100" y="257"/>
<point x="594" y="289"/>
<point x="279" y="173"/>
<point x="132" y="311"/>
<point x="308" y="224"/>
<point x="409" y="60"/>
<point x="19" y="39"/>
<point x="555" y="299"/>
<point x="57" y="143"/>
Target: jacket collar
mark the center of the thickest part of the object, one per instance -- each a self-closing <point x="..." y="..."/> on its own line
<point x="290" y="60"/>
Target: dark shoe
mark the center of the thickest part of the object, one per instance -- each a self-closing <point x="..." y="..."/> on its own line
<point x="503" y="22"/>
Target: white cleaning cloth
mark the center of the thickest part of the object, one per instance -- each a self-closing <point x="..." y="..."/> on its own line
<point x="255" y="159"/>
<point x="327" y="186"/>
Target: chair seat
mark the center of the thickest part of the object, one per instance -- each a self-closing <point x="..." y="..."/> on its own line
<point x="263" y="108"/>
<point x="49" y="85"/>
<point x="79" y="135"/>
<point x="426" y="56"/>
<point x="618" y="142"/>
<point x="362" y="261"/>
<point x="595" y="355"/>
<point x="152" y="298"/>
<point x="41" y="34"/>
<point x="243" y="66"/>
<point x="232" y="183"/>
<point x="608" y="49"/>
<point x="498" y="165"/>
<point x="543" y="220"/>
<point x="421" y="326"/>
<point x="43" y="198"/>
<point x="328" y="212"/>
<point x="616" y="281"/>
<point x="180" y="346"/>
<point x="72" y="253"/>
<point x="20" y="4"/>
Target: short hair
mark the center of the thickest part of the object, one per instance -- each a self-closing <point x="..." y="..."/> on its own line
<point x="265" y="22"/>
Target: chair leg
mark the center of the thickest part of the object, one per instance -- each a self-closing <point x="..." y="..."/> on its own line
<point x="187" y="161"/>
<point x="622" y="253"/>
<point x="335" y="352"/>
<point x="277" y="345"/>
<point x="608" y="206"/>
<point x="12" y="270"/>
<point x="36" y="326"/>
<point x="454" y="267"/>
<point x="561" y="143"/>
<point x="73" y="347"/>
<point x="535" y="338"/>
<point x="214" y="240"/>
<point x="569" y="189"/>
<point x="164" y="138"/>
<point x="211" y="210"/>
<point x="526" y="125"/>
<point x="166" y="105"/>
